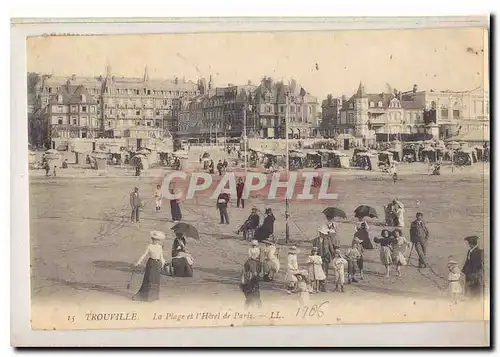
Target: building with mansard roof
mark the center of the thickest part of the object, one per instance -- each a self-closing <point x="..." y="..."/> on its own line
<point x="371" y="117"/>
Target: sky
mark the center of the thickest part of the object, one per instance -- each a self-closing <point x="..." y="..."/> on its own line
<point x="438" y="59"/>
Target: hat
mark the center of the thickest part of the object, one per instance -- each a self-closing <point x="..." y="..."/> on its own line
<point x="265" y="241"/>
<point x="315" y="249"/>
<point x="385" y="231"/>
<point x="254" y="208"/>
<point x="157" y="235"/>
<point x="302" y="272"/>
<point x="268" y="210"/>
<point x="452" y="262"/>
<point x="356" y="239"/>
<point x="472" y="239"/>
<point x="255" y="243"/>
<point x="323" y="230"/>
<point x="293" y="249"/>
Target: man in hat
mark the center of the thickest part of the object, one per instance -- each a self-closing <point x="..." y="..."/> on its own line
<point x="251" y="223"/>
<point x="135" y="203"/>
<point x="419" y="236"/>
<point x="222" y="202"/>
<point x="239" y="193"/>
<point x="473" y="268"/>
<point x="325" y="250"/>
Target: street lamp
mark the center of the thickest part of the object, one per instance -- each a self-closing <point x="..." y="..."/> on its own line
<point x="288" y="98"/>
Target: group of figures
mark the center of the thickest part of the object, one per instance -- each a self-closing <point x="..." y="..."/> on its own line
<point x="263" y="264"/>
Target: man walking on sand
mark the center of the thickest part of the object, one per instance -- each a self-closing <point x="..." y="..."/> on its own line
<point x="419" y="236"/>
<point x="135" y="203"/>
<point x="222" y="202"/>
<point x="239" y="193"/>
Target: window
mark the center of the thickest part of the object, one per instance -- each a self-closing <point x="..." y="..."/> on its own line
<point x="148" y="123"/>
<point x="282" y="109"/>
<point x="138" y="123"/>
<point x="380" y="104"/>
<point x="84" y="108"/>
<point x="292" y="109"/>
<point x="74" y="109"/>
<point x="351" y="105"/>
<point x="310" y="110"/>
<point x="83" y="97"/>
<point x="149" y="91"/>
<point x="351" y="119"/>
<point x="59" y="99"/>
<point x="456" y="114"/>
<point x="59" y="109"/>
<point x="444" y="113"/>
<point x="59" y="120"/>
<point x="50" y="89"/>
<point x="109" y="123"/>
<point x="137" y="112"/>
<point x="372" y="104"/>
<point x="74" y="121"/>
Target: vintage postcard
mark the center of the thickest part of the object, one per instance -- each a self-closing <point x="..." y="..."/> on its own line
<point x="257" y="177"/>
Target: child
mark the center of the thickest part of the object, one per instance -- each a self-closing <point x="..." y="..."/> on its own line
<point x="454" y="287"/>
<point x="316" y="273"/>
<point x="385" y="242"/>
<point x="354" y="258"/>
<point x="338" y="264"/>
<point x="302" y="289"/>
<point x="399" y="248"/>
<point x="292" y="269"/>
<point x="158" y="197"/>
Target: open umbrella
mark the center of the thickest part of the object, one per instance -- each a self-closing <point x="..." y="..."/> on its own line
<point x="365" y="211"/>
<point x="186" y="229"/>
<point x="334" y="212"/>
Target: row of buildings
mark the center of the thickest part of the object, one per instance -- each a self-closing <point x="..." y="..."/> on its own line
<point x="385" y="116"/>
<point x="61" y="108"/>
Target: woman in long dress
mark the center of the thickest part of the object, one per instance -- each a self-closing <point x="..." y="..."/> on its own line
<point x="399" y="248"/>
<point x="385" y="242"/>
<point x="182" y="263"/>
<point x="175" y="208"/>
<point x="292" y="269"/>
<point x="179" y="241"/>
<point x="254" y="257"/>
<point x="271" y="263"/>
<point x="150" y="288"/>
<point x="267" y="228"/>
<point x="250" y="286"/>
<point x="363" y="233"/>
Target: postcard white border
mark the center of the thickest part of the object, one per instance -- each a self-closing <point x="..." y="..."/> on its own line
<point x="425" y="334"/>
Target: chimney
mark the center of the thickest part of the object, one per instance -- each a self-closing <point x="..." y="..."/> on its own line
<point x="415" y="88"/>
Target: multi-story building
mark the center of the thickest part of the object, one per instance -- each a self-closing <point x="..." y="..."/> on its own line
<point x="266" y="107"/>
<point x="123" y="102"/>
<point x="276" y="101"/>
<point x="330" y="115"/>
<point x="72" y="113"/>
<point x="371" y="117"/>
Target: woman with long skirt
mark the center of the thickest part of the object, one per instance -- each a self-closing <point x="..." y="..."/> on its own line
<point x="175" y="208"/>
<point x="150" y="288"/>
<point x="386" y="241"/>
<point x="250" y="286"/>
<point x="363" y="233"/>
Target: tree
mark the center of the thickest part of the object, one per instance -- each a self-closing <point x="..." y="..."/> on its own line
<point x="33" y="81"/>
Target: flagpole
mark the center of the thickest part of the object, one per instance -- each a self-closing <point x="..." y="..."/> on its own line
<point x="287" y="228"/>
<point x="245" y="135"/>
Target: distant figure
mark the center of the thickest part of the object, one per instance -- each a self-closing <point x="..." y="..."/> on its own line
<point x="239" y="193"/>
<point x="47" y="168"/>
<point x="150" y="288"/>
<point x="65" y="164"/>
<point x="419" y="236"/>
<point x="158" y="197"/>
<point x="220" y="167"/>
<point x="222" y="202"/>
<point x="211" y="168"/>
<point x="175" y="208"/>
<point x="135" y="204"/>
<point x="224" y="165"/>
<point x="54" y="171"/>
<point x="473" y="268"/>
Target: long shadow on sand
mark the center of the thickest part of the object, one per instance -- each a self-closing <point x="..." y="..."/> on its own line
<point x="96" y="287"/>
<point x="120" y="266"/>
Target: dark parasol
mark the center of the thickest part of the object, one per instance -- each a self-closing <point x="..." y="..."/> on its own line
<point x="331" y="212"/>
<point x="186" y="229"/>
<point x="365" y="211"/>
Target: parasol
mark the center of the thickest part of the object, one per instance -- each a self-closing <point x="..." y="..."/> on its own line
<point x="331" y="212"/>
<point x="186" y="229"/>
<point x="365" y="211"/>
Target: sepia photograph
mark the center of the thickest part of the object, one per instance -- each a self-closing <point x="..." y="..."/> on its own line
<point x="258" y="178"/>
